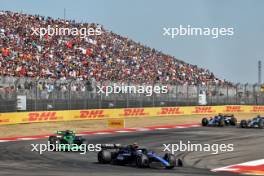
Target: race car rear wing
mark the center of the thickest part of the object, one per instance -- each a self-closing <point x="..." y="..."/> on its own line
<point x="111" y="146"/>
<point x="64" y="132"/>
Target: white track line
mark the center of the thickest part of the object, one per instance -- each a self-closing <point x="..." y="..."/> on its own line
<point x="195" y="125"/>
<point x="123" y="131"/>
<point x="180" y="127"/>
<point x="26" y="139"/>
<point x="142" y="129"/>
<point x="103" y="133"/>
<point x="162" y="128"/>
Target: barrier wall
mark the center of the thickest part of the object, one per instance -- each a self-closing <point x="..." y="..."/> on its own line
<point x="49" y="116"/>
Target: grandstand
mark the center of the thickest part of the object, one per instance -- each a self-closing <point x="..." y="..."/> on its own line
<point x="106" y="57"/>
<point x="52" y="69"/>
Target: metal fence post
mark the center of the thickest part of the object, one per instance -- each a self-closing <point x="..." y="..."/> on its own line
<point x="36" y="91"/>
<point x="255" y="97"/>
<point x="227" y="95"/>
<point x="187" y="94"/>
<point x="100" y="98"/>
<point x="69" y="94"/>
<point x="246" y="94"/>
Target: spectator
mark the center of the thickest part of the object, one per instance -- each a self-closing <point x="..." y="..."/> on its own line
<point x="105" y="57"/>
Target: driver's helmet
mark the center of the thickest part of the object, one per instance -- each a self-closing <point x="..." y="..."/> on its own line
<point x="67" y="132"/>
<point x="258" y="116"/>
<point x="135" y="145"/>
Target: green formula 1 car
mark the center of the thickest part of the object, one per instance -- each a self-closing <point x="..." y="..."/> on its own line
<point x="66" y="141"/>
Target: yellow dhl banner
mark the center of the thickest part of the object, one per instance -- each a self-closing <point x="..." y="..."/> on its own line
<point x="116" y="123"/>
<point x="67" y="115"/>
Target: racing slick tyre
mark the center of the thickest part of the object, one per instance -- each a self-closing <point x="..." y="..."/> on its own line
<point x="233" y="121"/>
<point x="104" y="157"/>
<point x="221" y="122"/>
<point x="205" y="122"/>
<point x="171" y="160"/>
<point x="142" y="161"/>
<point x="54" y="140"/>
<point x="261" y="123"/>
<point x="243" y="124"/>
<point x="179" y="163"/>
<point x="78" y="140"/>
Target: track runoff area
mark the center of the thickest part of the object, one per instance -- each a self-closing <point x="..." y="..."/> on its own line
<point x="227" y="150"/>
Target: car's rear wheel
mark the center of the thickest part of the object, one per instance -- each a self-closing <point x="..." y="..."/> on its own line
<point x="53" y="140"/>
<point x="179" y="163"/>
<point x="205" y="122"/>
<point x="233" y="121"/>
<point x="142" y="161"/>
<point x="243" y="124"/>
<point x="171" y="160"/>
<point x="261" y="123"/>
<point x="78" y="140"/>
<point x="104" y="157"/>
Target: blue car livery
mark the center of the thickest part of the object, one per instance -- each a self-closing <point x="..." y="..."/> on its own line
<point x="220" y="120"/>
<point x="141" y="157"/>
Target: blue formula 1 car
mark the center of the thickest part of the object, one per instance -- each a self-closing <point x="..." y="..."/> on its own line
<point x="134" y="155"/>
<point x="257" y="122"/>
<point x="220" y="120"/>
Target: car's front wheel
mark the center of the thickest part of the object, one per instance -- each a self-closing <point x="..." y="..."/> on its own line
<point x="205" y="122"/>
<point x="243" y="124"/>
<point x="104" y="157"/>
<point x="171" y="160"/>
<point x="142" y="161"/>
<point x="261" y="123"/>
<point x="233" y="121"/>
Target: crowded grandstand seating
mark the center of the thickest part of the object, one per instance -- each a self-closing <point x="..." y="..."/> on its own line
<point x="106" y="57"/>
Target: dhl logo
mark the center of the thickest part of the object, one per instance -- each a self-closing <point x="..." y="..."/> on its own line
<point x="134" y="112"/>
<point x="115" y="123"/>
<point x="170" y="111"/>
<point x="257" y="109"/>
<point x="4" y="120"/>
<point x="41" y="116"/>
<point x="92" y="114"/>
<point x="233" y="109"/>
<point x="203" y="110"/>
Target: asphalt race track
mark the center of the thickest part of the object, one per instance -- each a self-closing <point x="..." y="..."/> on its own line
<point x="17" y="159"/>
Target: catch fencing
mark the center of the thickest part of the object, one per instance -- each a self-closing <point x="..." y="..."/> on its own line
<point x="49" y="95"/>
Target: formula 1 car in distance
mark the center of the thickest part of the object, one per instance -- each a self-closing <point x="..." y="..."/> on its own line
<point x="66" y="139"/>
<point x="134" y="155"/>
<point x="220" y="120"/>
<point x="257" y="122"/>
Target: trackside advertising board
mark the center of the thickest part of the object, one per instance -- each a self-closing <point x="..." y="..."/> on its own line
<point x="93" y="114"/>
